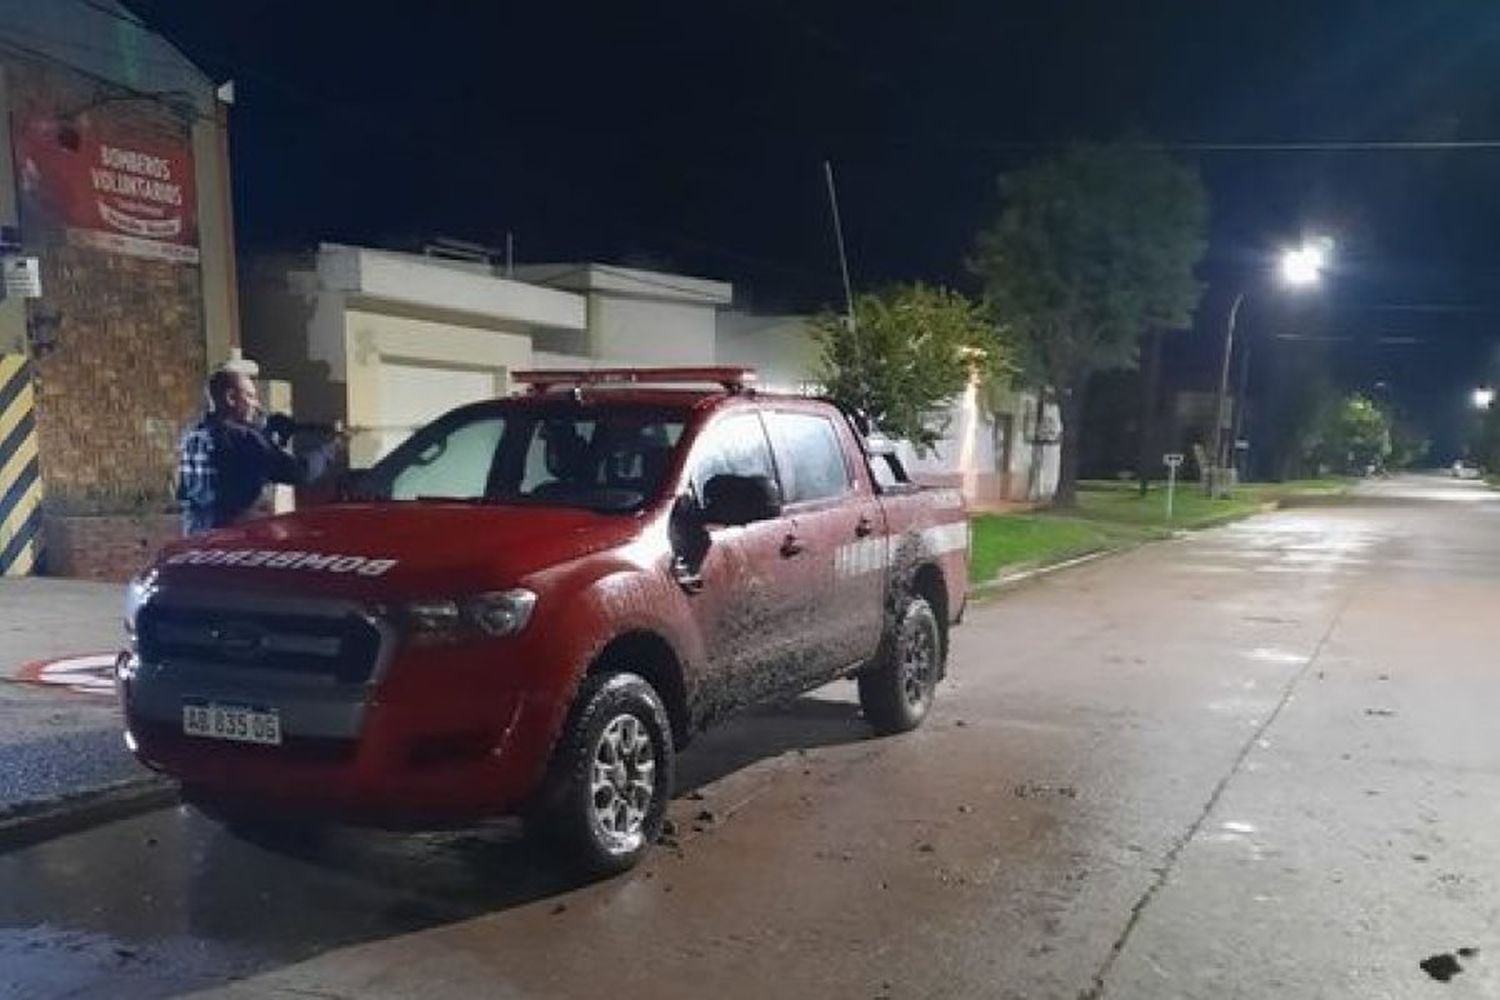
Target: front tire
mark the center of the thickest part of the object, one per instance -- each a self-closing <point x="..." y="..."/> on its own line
<point x="897" y="692"/>
<point x="611" y="775"/>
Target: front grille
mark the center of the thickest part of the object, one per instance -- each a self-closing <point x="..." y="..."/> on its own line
<point x="345" y="647"/>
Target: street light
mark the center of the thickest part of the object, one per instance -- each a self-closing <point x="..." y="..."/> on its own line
<point x="1300" y="267"/>
<point x="1304" y="265"/>
<point x="1483" y="397"/>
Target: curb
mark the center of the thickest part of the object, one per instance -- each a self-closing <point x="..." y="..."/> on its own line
<point x="1011" y="580"/>
<point x="1016" y="579"/>
<point x="29" y="823"/>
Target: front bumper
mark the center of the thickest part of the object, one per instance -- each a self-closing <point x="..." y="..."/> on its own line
<point x="431" y="737"/>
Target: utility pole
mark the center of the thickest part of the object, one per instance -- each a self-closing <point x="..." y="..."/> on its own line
<point x="223" y="101"/>
<point x="1216" y="483"/>
<point x="1241" y="401"/>
<point x="1146" y="455"/>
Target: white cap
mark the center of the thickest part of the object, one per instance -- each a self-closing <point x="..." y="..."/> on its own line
<point x="239" y="363"/>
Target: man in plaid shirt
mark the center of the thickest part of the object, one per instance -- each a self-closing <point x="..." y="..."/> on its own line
<point x="226" y="459"/>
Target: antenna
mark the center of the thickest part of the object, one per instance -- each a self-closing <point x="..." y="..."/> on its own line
<point x="838" y="234"/>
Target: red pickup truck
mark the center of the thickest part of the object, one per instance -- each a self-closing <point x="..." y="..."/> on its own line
<point x="534" y="602"/>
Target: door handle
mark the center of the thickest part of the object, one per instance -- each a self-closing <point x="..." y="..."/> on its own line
<point x="864" y="528"/>
<point x="791" y="546"/>
<point x="687" y="578"/>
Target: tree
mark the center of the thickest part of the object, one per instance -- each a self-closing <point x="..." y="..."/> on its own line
<point x="1092" y="247"/>
<point x="913" y="348"/>
<point x="1297" y="413"/>
<point x="1356" y="436"/>
<point x="1410" y="443"/>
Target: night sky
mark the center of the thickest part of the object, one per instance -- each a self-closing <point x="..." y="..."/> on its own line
<point x="690" y="136"/>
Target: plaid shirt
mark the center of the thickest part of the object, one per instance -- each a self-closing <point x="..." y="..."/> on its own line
<point x="197" y="478"/>
<point x="222" y="468"/>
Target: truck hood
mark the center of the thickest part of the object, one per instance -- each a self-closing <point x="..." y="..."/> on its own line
<point x="393" y="550"/>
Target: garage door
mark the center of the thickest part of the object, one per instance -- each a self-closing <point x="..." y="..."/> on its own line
<point x="411" y="395"/>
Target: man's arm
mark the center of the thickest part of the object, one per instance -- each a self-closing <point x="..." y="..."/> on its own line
<point x="284" y="467"/>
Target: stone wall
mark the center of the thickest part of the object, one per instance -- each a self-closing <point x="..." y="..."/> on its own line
<point x="105" y="547"/>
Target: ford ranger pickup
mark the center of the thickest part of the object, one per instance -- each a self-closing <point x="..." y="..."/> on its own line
<point x="533" y="603"/>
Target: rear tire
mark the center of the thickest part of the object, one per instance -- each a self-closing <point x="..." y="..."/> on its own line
<point x="896" y="693"/>
<point x="610" y="780"/>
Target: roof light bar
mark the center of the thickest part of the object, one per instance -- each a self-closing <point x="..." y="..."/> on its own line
<point x="732" y="379"/>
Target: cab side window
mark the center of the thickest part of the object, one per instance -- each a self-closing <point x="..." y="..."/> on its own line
<point x="734" y="446"/>
<point x="809" y="455"/>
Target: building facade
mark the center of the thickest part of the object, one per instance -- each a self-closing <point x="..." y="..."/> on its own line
<point x="384" y="341"/>
<point x="114" y="180"/>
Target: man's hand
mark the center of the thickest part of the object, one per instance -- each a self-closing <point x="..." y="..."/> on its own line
<point x="280" y="428"/>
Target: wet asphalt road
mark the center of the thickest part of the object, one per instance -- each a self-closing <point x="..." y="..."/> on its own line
<point x="53" y="741"/>
<point x="60" y="763"/>
<point x="1260" y="762"/>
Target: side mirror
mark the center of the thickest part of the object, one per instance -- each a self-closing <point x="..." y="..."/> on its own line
<point x="739" y="500"/>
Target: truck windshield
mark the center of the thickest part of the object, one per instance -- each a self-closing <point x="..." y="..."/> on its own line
<point x="603" y="457"/>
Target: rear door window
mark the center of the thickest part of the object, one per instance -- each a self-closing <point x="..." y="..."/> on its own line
<point x="809" y="456"/>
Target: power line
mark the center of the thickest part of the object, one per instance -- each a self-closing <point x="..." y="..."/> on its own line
<point x="1333" y="146"/>
<point x="1424" y="307"/>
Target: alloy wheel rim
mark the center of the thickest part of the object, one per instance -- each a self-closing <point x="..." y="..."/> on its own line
<point x="918" y="654"/>
<point x="622" y="785"/>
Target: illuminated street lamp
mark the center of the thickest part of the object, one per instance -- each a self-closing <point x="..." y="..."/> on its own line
<point x="1304" y="265"/>
<point x="1483" y="397"/>
<point x="1299" y="267"/>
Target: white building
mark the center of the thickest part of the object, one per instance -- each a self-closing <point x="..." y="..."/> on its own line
<point x="385" y="341"/>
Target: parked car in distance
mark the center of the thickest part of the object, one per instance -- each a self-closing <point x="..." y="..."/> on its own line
<point x="1463" y="469"/>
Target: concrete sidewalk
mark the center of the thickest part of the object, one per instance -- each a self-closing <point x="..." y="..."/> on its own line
<point x="57" y="743"/>
<point x="43" y="618"/>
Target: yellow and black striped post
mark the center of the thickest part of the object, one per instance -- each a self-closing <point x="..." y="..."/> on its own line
<point x="20" y="475"/>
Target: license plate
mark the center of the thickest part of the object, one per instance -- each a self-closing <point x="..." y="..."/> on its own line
<point x="232" y="722"/>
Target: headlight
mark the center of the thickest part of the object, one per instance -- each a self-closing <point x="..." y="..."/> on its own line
<point x="503" y="613"/>
<point x="138" y="591"/>
<point x="450" y="620"/>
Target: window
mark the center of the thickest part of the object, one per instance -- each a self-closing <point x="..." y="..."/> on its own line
<point x="606" y="458"/>
<point x="888" y="472"/>
<point x="734" y="446"/>
<point x="557" y="452"/>
<point x="617" y="458"/>
<point x="454" y="464"/>
<point x="809" y="455"/>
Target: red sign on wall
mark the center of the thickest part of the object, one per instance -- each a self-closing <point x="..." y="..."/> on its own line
<point x="126" y="196"/>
